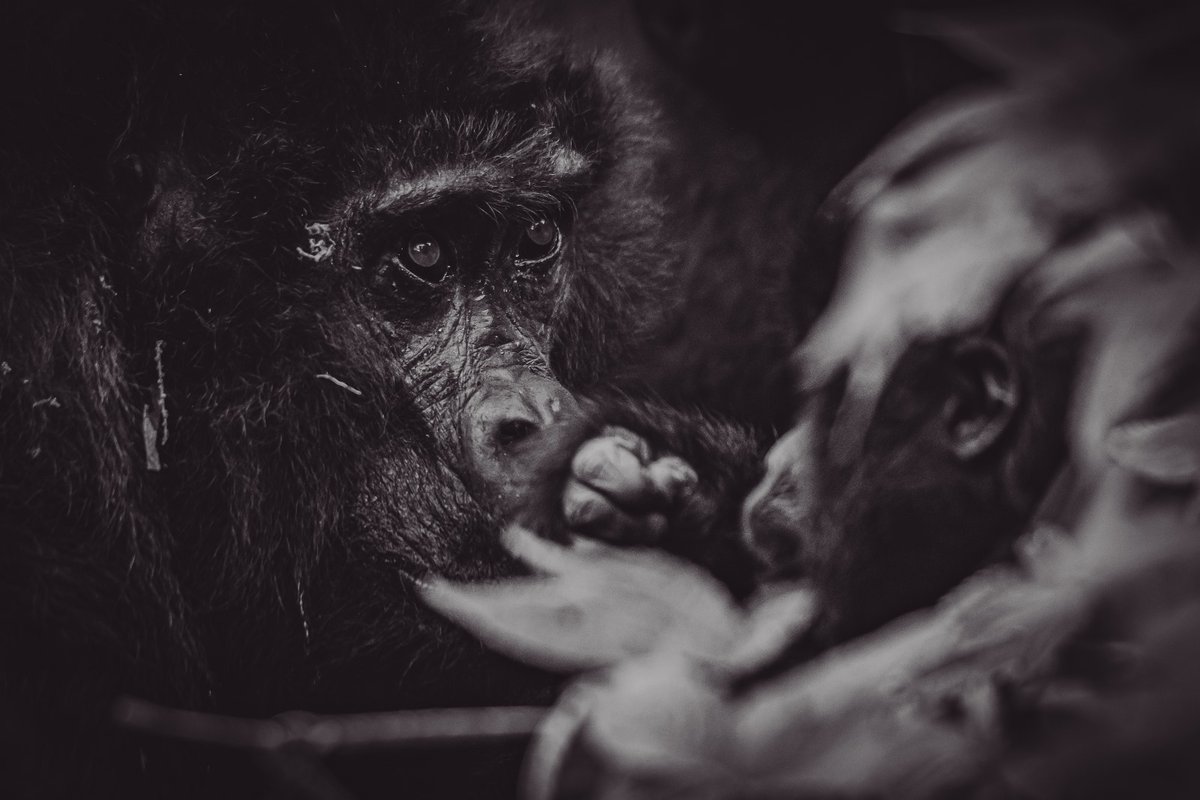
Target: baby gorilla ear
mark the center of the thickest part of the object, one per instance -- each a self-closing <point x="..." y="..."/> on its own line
<point x="983" y="397"/>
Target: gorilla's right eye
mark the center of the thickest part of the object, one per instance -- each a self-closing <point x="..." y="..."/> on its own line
<point x="423" y="256"/>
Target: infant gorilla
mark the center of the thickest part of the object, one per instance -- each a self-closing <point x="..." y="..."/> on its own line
<point x="964" y="441"/>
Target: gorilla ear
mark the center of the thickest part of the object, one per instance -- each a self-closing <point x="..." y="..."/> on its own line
<point x="983" y="397"/>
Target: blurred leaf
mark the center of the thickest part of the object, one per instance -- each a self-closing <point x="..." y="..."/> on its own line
<point x="655" y="723"/>
<point x="777" y="616"/>
<point x="659" y="714"/>
<point x="1163" y="450"/>
<point x="596" y="606"/>
<point x="969" y="199"/>
<point x="560" y="732"/>
<point x="1041" y="47"/>
<point x="1140" y="324"/>
<point x="654" y="727"/>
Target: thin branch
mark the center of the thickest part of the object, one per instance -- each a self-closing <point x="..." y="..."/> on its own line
<point x="325" y="734"/>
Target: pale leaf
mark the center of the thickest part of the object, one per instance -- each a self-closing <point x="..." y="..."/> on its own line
<point x="659" y="714"/>
<point x="599" y="606"/>
<point x="966" y="201"/>
<point x="775" y="619"/>
<point x="1040" y="47"/>
<point x="650" y="729"/>
<point x="1162" y="450"/>
<point x="556" y="736"/>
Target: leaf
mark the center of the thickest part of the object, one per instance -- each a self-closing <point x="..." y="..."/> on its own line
<point x="1163" y="450"/>
<point x="552" y="745"/>
<point x="1141" y="328"/>
<point x="597" y="605"/>
<point x="776" y="618"/>
<point x="909" y="711"/>
<point x="971" y="198"/>
<point x="653" y="727"/>
<point x="659" y="714"/>
<point x="1040" y="47"/>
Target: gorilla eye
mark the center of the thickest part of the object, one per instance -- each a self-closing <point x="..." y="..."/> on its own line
<point x="424" y="257"/>
<point x="540" y="241"/>
<point x="424" y="253"/>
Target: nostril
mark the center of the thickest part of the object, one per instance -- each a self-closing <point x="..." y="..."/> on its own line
<point x="502" y="422"/>
<point x="511" y="431"/>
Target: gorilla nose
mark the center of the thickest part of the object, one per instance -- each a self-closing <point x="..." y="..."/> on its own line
<point x="511" y="406"/>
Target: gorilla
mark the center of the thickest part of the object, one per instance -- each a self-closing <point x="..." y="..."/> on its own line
<point x="287" y="289"/>
<point x="302" y="301"/>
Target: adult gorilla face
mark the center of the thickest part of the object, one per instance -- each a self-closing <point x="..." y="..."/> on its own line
<point x="298" y="285"/>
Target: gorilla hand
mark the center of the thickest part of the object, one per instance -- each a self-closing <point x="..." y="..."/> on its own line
<point x="621" y="491"/>
<point x="639" y="472"/>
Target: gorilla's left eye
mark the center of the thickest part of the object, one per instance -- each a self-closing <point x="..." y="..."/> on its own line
<point x="541" y="241"/>
<point x="423" y="256"/>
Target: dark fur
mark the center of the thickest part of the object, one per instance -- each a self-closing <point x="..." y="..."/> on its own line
<point x="160" y="169"/>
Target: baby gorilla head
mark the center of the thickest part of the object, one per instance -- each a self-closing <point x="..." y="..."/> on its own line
<point x="962" y="444"/>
